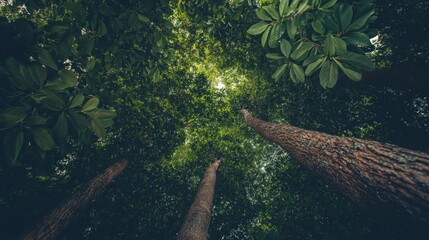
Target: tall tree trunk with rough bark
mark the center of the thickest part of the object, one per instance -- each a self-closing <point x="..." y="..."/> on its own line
<point x="197" y="221"/>
<point x="369" y="172"/>
<point x="52" y="225"/>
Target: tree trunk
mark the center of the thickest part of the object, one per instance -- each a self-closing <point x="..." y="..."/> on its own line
<point x="197" y="221"/>
<point x="369" y="172"/>
<point x="62" y="216"/>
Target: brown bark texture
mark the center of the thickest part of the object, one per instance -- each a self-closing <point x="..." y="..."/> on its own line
<point x="197" y="221"/>
<point x="52" y="225"/>
<point x="368" y="172"/>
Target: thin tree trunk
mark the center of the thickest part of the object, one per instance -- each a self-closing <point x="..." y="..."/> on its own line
<point x="197" y="221"/>
<point x="63" y="215"/>
<point x="369" y="172"/>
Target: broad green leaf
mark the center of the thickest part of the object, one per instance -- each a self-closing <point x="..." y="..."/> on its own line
<point x="303" y="7"/>
<point x="312" y="67"/>
<point x="282" y="7"/>
<point x="357" y="38"/>
<point x="340" y="46"/>
<point x="329" y="45"/>
<point x="69" y="77"/>
<point x="77" y="100"/>
<point x="106" y="10"/>
<point x="328" y="74"/>
<point x="265" y="36"/>
<point x="156" y="75"/>
<point x="43" y="138"/>
<point x="90" y="64"/>
<point x="291" y="28"/>
<point x="318" y="26"/>
<point x="329" y="4"/>
<point x="344" y="15"/>
<point x="61" y="128"/>
<point x="16" y="70"/>
<point x="257" y="28"/>
<point x="274" y="13"/>
<point x="311" y="59"/>
<point x="301" y="50"/>
<point x="350" y="73"/>
<point x="46" y="59"/>
<point x="274" y="56"/>
<point x="37" y="73"/>
<point x="98" y="128"/>
<point x="143" y="18"/>
<point x="85" y="45"/>
<point x="299" y="72"/>
<point x="359" y="61"/>
<point x="276" y="33"/>
<point x="285" y="47"/>
<point x="11" y="116"/>
<point x="106" y="122"/>
<point x="360" y="21"/>
<point x="104" y="114"/>
<point x="12" y="144"/>
<point x="263" y="15"/>
<point x="50" y="100"/>
<point x="102" y="28"/>
<point x="279" y="72"/>
<point x="91" y="104"/>
<point x="35" y="120"/>
<point x="330" y="24"/>
<point x="79" y="122"/>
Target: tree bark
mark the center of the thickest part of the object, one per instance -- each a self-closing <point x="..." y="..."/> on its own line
<point x="197" y="221"/>
<point x="63" y="215"/>
<point x="368" y="172"/>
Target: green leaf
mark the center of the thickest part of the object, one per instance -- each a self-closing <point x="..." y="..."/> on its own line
<point x="279" y="72"/>
<point x="350" y="73"/>
<point x="257" y="28"/>
<point x="345" y="15"/>
<point x="329" y="45"/>
<point x="12" y="144"/>
<point x="312" y="67"/>
<point x="340" y="46"/>
<point x="143" y="18"/>
<point x="50" y="100"/>
<point x="35" y="120"/>
<point x="357" y="38"/>
<point x="328" y="74"/>
<point x="265" y="36"/>
<point x="106" y="122"/>
<point x="285" y="47"/>
<point x="301" y="50"/>
<point x="271" y="9"/>
<point x="276" y="33"/>
<point x="282" y="7"/>
<point x="46" y="59"/>
<point x="331" y="24"/>
<point x="77" y="100"/>
<point x="91" y="104"/>
<point x="274" y="56"/>
<point x="106" y="10"/>
<point x="11" y="116"/>
<point x="318" y="26"/>
<point x="359" y="61"/>
<point x="85" y="45"/>
<point x="298" y="72"/>
<point x="43" y="138"/>
<point x="61" y="128"/>
<point x="90" y="64"/>
<point x="103" y="114"/>
<point x="303" y="7"/>
<point x="329" y="4"/>
<point x="360" y="21"/>
<point x="311" y="59"/>
<point x="79" y="122"/>
<point x="69" y="77"/>
<point x="98" y="128"/>
<point x="19" y="76"/>
<point x="263" y="15"/>
<point x="37" y="73"/>
<point x="291" y="28"/>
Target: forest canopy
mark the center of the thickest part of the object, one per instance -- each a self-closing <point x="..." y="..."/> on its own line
<point x="151" y="92"/>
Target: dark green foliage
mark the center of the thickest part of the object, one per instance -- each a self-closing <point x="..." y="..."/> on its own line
<point x="176" y="74"/>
